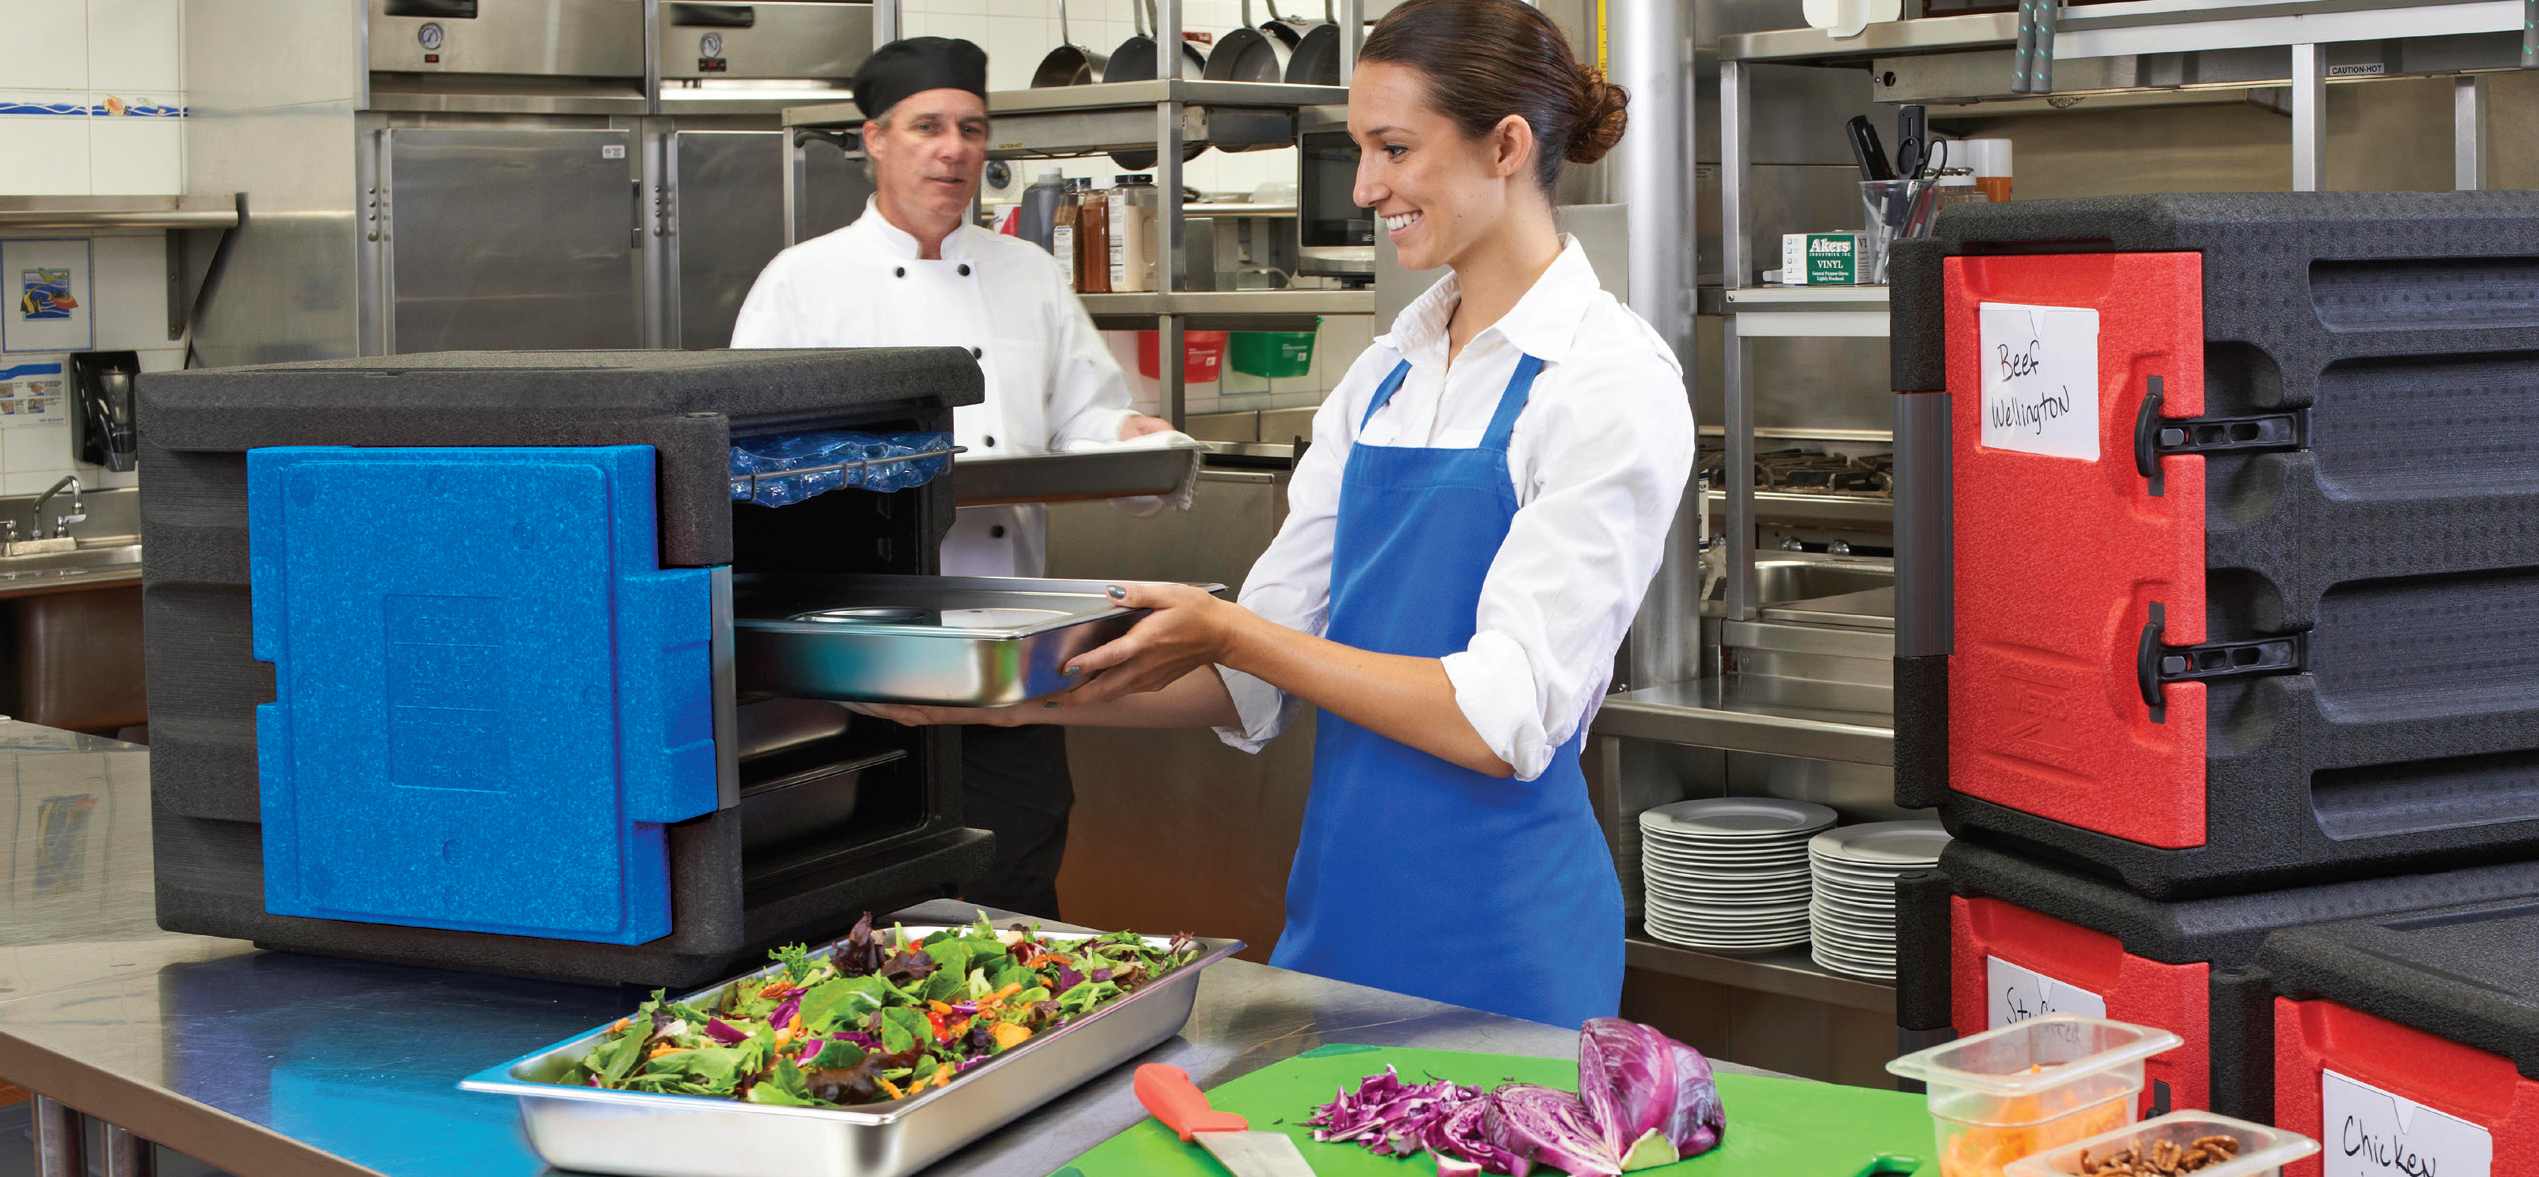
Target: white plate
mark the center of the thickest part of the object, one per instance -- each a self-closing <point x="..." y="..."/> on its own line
<point x="1900" y="845"/>
<point x="1690" y="876"/>
<point x="1864" y="880"/>
<point x="1851" y="970"/>
<point x="1795" y="852"/>
<point x="1729" y="898"/>
<point x="1855" y="942"/>
<point x="1738" y="817"/>
<point x="1842" y="952"/>
<point x="1734" y="946"/>
<point x="1715" y="911"/>
<point x="1731" y="925"/>
<point x="1836" y="904"/>
<point x="1795" y="844"/>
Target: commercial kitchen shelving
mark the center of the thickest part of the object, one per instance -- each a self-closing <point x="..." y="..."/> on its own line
<point x="1170" y="116"/>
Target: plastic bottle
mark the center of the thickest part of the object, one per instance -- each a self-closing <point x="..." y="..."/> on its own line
<point x="1039" y="207"/>
<point x="1135" y="206"/>
<point x="1062" y="230"/>
<point x="1093" y="244"/>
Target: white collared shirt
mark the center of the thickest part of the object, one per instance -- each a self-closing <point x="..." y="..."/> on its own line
<point x="1599" y="460"/>
<point x="1050" y="379"/>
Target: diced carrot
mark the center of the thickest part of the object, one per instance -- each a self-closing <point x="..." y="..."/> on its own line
<point x="939" y="1007"/>
<point x="889" y="1087"/>
<point x="784" y="1037"/>
<point x="621" y="1025"/>
<point x="1009" y="1034"/>
<point x="665" y="1048"/>
<point x="942" y="1076"/>
<point x="956" y="1029"/>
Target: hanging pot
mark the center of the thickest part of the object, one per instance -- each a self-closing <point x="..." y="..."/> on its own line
<point x="1283" y="30"/>
<point x="1134" y="61"/>
<point x="1316" y="61"/>
<point x="1069" y="64"/>
<point x="1247" y="55"/>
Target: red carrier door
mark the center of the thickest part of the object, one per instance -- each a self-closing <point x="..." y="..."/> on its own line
<point x="2008" y="964"/>
<point x="2066" y="554"/>
<point x="2385" y="1099"/>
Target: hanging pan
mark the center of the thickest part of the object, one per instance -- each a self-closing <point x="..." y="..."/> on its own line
<point x="1069" y="64"/>
<point x="1134" y="61"/>
<point x="1316" y="61"/>
<point x="1247" y="55"/>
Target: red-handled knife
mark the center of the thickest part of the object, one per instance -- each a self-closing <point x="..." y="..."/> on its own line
<point x="1168" y="1093"/>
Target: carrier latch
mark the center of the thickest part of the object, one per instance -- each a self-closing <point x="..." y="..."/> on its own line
<point x="2157" y="665"/>
<point x="2155" y="436"/>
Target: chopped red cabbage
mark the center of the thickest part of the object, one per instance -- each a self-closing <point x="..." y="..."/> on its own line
<point x="784" y="1013"/>
<point x="1392" y="1118"/>
<point x="728" y="1035"/>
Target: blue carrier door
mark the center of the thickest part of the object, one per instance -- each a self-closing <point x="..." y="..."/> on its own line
<point x="489" y="696"/>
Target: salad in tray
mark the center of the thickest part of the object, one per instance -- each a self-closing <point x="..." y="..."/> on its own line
<point x="877" y="1017"/>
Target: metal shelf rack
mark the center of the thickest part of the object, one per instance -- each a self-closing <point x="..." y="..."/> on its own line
<point x="1172" y="116"/>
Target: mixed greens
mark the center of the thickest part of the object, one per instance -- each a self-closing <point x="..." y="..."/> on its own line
<point x="874" y="1017"/>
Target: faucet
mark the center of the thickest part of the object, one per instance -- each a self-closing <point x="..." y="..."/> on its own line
<point x="79" y="511"/>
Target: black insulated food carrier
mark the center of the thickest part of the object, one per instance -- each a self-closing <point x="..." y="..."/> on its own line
<point x="440" y="660"/>
<point x="2218" y="535"/>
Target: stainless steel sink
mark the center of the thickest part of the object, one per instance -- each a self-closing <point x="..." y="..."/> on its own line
<point x="1779" y="580"/>
<point x="89" y="557"/>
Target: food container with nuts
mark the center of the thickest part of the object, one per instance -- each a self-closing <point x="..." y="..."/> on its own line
<point x="2179" y="1143"/>
<point x="2030" y="1087"/>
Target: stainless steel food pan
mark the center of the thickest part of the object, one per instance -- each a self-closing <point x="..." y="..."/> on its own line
<point x="980" y="480"/>
<point x="640" y="1135"/>
<point x="960" y="641"/>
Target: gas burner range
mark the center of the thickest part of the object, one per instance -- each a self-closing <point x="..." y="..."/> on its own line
<point x="1800" y="471"/>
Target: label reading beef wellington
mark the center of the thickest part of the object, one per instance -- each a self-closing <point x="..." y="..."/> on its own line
<point x="2040" y="388"/>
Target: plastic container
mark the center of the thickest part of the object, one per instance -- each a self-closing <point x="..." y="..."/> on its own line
<point x="1137" y="207"/>
<point x="2023" y="1089"/>
<point x="1273" y="355"/>
<point x="1201" y="354"/>
<point x="1093" y="241"/>
<point x="2261" y="1151"/>
<point x="1039" y="208"/>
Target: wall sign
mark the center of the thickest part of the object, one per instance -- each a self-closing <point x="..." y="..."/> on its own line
<point x="2013" y="994"/>
<point x="2367" y="1132"/>
<point x="32" y="395"/>
<point x="2040" y="387"/>
<point x="46" y="283"/>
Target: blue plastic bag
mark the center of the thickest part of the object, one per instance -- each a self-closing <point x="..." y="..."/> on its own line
<point x="770" y="458"/>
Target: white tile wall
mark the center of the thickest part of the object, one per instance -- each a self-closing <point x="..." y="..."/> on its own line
<point x="75" y="70"/>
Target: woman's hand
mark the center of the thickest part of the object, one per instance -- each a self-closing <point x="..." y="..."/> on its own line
<point x="913" y="715"/>
<point x="1188" y="629"/>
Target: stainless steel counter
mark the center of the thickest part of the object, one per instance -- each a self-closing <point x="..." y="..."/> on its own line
<point x="267" y="1062"/>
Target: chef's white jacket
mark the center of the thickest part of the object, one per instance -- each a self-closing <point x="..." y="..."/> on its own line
<point x="1050" y="379"/>
<point x="1599" y="459"/>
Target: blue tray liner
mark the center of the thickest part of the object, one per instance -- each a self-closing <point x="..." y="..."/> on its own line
<point x="490" y="697"/>
<point x="772" y="455"/>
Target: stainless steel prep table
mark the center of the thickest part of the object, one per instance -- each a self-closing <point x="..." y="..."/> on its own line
<point x="269" y="1062"/>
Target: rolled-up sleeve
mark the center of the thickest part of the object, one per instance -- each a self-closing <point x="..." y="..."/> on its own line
<point x="1291" y="582"/>
<point x="1608" y="472"/>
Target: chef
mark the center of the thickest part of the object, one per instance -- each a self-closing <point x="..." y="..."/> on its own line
<point x="913" y="271"/>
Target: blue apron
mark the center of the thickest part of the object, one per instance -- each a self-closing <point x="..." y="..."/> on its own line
<point x="1413" y="874"/>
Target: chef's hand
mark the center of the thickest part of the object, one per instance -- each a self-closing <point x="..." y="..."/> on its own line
<point x="916" y="716"/>
<point x="1189" y="628"/>
<point x="1139" y="425"/>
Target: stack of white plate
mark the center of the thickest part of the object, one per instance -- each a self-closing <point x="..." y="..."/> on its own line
<point x="1729" y="874"/>
<point x="1852" y="919"/>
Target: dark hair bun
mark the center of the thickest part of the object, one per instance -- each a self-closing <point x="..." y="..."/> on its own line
<point x="1604" y="120"/>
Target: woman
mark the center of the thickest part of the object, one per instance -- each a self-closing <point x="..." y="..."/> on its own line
<point x="1467" y="539"/>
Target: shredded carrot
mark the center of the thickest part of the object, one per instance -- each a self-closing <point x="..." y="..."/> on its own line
<point x="621" y="1024"/>
<point x="665" y="1048"/>
<point x="953" y="1030"/>
<point x="939" y="1007"/>
<point x="1011" y="988"/>
<point x="889" y="1088"/>
<point x="942" y="1075"/>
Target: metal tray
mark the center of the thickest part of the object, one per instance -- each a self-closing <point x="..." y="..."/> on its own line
<point x="643" y="1135"/>
<point x="970" y="641"/>
<point x="1062" y="478"/>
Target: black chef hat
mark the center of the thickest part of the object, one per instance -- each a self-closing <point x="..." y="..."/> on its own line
<point x="915" y="65"/>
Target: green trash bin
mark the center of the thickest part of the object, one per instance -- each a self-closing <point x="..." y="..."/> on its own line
<point x="1274" y="355"/>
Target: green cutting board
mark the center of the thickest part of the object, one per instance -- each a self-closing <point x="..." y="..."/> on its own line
<point x="1776" y="1127"/>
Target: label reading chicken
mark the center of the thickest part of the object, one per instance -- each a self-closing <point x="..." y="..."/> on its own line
<point x="2367" y="1132"/>
<point x="2040" y="386"/>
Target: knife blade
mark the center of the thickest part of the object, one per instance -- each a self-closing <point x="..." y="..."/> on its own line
<point x="1167" y="1091"/>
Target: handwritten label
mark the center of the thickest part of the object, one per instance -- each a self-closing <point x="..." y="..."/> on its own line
<point x="2013" y="994"/>
<point x="2368" y="1132"/>
<point x="2040" y="388"/>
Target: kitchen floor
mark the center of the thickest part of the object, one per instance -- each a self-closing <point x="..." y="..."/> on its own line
<point x="17" y="1150"/>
